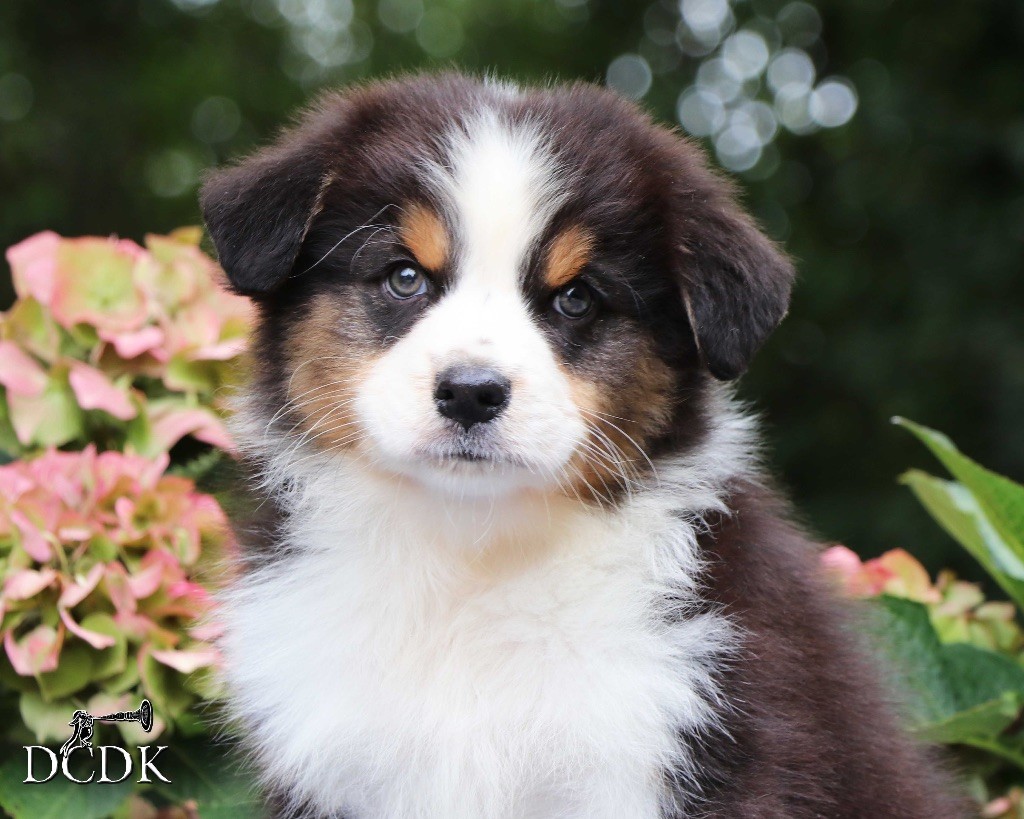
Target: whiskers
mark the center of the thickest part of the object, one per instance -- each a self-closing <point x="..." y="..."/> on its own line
<point x="314" y="423"/>
<point x="370" y="224"/>
<point x="603" y="465"/>
<point x="609" y="463"/>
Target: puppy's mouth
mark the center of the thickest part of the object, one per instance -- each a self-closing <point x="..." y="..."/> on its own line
<point x="470" y="451"/>
<point x="470" y="456"/>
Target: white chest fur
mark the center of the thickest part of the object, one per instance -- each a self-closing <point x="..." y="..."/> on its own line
<point x="387" y="668"/>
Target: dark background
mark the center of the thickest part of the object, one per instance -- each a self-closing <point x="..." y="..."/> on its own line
<point x="907" y="222"/>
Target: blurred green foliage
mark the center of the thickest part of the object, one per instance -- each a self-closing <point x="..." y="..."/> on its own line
<point x="907" y="223"/>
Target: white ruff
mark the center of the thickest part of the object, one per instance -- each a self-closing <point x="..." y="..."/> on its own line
<point x="385" y="667"/>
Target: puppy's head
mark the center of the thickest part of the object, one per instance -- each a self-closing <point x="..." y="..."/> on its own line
<point x="490" y="289"/>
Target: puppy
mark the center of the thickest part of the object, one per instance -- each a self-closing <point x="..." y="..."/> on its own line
<point x="515" y="555"/>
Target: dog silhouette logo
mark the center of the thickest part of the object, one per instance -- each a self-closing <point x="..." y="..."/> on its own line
<point x="82" y="728"/>
<point x="82" y="724"/>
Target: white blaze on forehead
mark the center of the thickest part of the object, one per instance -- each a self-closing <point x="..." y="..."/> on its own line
<point x="498" y="187"/>
<point x="501" y="189"/>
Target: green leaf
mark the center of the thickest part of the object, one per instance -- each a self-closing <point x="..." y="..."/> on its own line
<point x="139" y="436"/>
<point x="10" y="446"/>
<point x="980" y="675"/>
<point x="165" y="687"/>
<point x="1001" y="499"/>
<point x="9" y="678"/>
<point x="34" y="328"/>
<point x="125" y="680"/>
<point x="74" y="672"/>
<point x="59" y="798"/>
<point x="108" y="661"/>
<point x="103" y="549"/>
<point x="50" y="419"/>
<point x="48" y="720"/>
<point x="957" y="693"/>
<point x="988" y="719"/>
<point x="202" y="770"/>
<point x="911" y="647"/>
<point x="956" y="511"/>
<point x="191" y="376"/>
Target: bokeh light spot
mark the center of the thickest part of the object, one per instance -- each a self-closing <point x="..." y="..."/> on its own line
<point x="439" y="33"/>
<point x="172" y="173"/>
<point x="629" y="74"/>
<point x="216" y="119"/>
<point x="747" y="52"/>
<point x="700" y="112"/>
<point x="791" y="67"/>
<point x="832" y="103"/>
<point x="400" y="16"/>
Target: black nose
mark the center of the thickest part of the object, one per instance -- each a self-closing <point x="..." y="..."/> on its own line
<point x="470" y="394"/>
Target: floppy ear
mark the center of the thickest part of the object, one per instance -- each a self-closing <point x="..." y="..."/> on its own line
<point x="258" y="212"/>
<point x="736" y="283"/>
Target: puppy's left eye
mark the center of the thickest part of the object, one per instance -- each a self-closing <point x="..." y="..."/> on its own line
<point x="576" y="300"/>
<point x="405" y="282"/>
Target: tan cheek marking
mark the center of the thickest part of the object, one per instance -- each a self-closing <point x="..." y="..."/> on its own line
<point x="425" y="236"/>
<point x="326" y="370"/>
<point x="621" y="422"/>
<point x="568" y="254"/>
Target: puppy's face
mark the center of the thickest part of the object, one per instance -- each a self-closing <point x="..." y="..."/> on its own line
<point x="490" y="290"/>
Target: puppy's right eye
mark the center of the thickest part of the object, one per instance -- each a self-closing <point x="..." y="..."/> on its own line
<point x="405" y="282"/>
<point x="574" y="301"/>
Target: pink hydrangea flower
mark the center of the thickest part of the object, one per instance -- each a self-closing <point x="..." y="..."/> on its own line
<point x="100" y="322"/>
<point x="108" y="554"/>
<point x="105" y="559"/>
<point x="896" y="572"/>
<point x="957" y="609"/>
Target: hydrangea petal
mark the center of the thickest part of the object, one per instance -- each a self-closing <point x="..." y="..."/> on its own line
<point x="93" y="638"/>
<point x="77" y="590"/>
<point x="131" y="344"/>
<point x="115" y="583"/>
<point x="841" y="560"/>
<point x="187" y="660"/>
<point x="188" y="590"/>
<point x="33" y="264"/>
<point x="144" y="583"/>
<point x="13" y="484"/>
<point x="221" y="351"/>
<point x="19" y="372"/>
<point x="36" y="652"/>
<point x="909" y="578"/>
<point x="136" y="626"/>
<point x="33" y="541"/>
<point x="74" y="534"/>
<point x="170" y="426"/>
<point x="208" y="630"/>
<point x="94" y="391"/>
<point x="28" y="583"/>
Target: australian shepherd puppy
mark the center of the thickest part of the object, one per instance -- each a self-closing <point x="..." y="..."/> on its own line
<point x="515" y="556"/>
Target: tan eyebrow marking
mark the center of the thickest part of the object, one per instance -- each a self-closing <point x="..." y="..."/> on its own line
<point x="567" y="255"/>
<point x="424" y="234"/>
